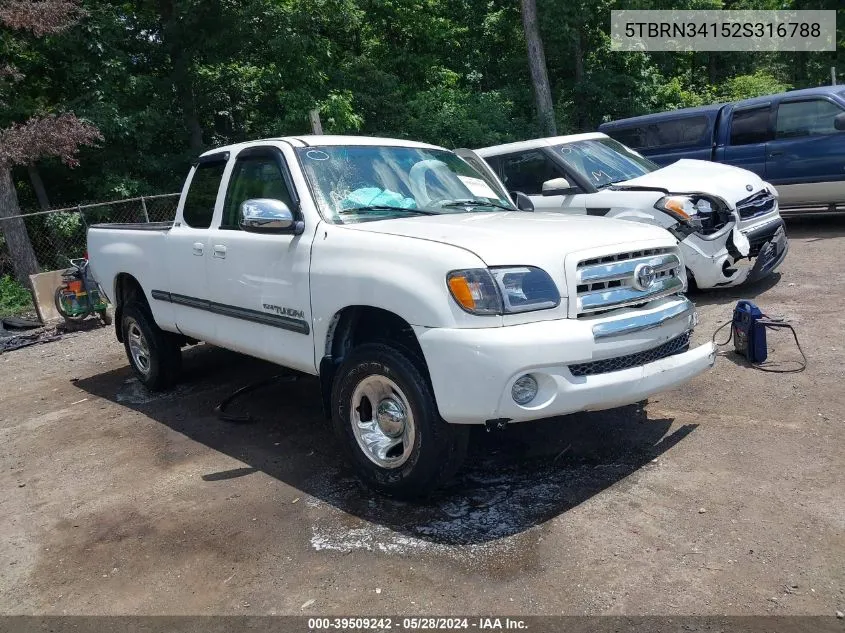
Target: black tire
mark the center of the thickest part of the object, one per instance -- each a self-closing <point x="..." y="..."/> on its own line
<point x="163" y="354"/>
<point x="57" y="299"/>
<point x="437" y="449"/>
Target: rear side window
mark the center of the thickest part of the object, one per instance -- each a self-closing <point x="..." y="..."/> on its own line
<point x="526" y="172"/>
<point x="253" y="177"/>
<point x="202" y="194"/>
<point x="688" y="130"/>
<point x="632" y="136"/>
<point x="750" y="126"/>
<point x="806" y="118"/>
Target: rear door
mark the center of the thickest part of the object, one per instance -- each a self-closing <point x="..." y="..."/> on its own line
<point x="750" y="130"/>
<point x="806" y="158"/>
<point x="188" y="249"/>
<point x="259" y="282"/>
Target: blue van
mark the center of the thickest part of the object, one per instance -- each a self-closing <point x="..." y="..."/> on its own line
<point x="794" y="140"/>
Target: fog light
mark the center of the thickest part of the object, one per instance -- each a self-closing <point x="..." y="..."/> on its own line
<point x="524" y="389"/>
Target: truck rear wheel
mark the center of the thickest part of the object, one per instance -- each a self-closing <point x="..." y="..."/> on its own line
<point x="385" y="415"/>
<point x="154" y="355"/>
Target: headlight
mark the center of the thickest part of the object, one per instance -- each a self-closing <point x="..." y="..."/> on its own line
<point x="688" y="209"/>
<point x="504" y="290"/>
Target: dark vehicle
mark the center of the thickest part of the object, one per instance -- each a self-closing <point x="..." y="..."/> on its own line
<point x="794" y="140"/>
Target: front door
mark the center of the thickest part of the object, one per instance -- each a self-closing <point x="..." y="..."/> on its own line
<point x="806" y="159"/>
<point x="259" y="282"/>
<point x="527" y="171"/>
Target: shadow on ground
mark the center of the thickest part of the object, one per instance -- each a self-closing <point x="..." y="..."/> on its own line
<point x="512" y="480"/>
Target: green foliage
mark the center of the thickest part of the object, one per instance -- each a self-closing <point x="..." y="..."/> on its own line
<point x="14" y="298"/>
<point x="746" y="86"/>
<point x="150" y="74"/>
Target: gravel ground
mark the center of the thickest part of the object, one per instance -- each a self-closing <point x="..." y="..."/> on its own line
<point x="722" y="497"/>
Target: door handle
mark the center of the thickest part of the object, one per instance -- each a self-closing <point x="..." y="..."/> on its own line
<point x="198" y="246"/>
<point x="778" y="153"/>
<point x="219" y="251"/>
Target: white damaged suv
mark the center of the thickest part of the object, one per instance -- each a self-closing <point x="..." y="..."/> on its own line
<point x="726" y="218"/>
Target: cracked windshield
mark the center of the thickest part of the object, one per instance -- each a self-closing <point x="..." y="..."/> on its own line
<point x="604" y="162"/>
<point x="360" y="184"/>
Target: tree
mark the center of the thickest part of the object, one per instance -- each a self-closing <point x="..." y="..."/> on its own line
<point x="537" y="64"/>
<point x="42" y="135"/>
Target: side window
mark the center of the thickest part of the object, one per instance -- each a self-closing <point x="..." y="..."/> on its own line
<point x="750" y="126"/>
<point x="806" y="118"/>
<point x="526" y="172"/>
<point x="202" y="194"/>
<point x="685" y="131"/>
<point x="253" y="177"/>
<point x="632" y="137"/>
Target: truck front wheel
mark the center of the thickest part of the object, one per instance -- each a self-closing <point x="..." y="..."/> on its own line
<point x="385" y="414"/>
<point x="154" y="354"/>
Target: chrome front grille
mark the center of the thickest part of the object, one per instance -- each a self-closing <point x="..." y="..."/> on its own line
<point x="677" y="345"/>
<point x="761" y="202"/>
<point x="607" y="283"/>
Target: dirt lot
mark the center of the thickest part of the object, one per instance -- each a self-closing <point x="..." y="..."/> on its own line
<point x="724" y="497"/>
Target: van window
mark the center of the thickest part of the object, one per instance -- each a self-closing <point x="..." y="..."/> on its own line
<point x="688" y="130"/>
<point x="632" y="136"/>
<point x="202" y="194"/>
<point x="527" y="171"/>
<point x="806" y="118"/>
<point x="750" y="126"/>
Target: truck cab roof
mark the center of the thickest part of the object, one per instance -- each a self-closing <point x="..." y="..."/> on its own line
<point x="309" y="140"/>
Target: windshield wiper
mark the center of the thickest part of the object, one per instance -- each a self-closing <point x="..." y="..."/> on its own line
<point x="477" y="203"/>
<point x="385" y="207"/>
<point x="611" y="183"/>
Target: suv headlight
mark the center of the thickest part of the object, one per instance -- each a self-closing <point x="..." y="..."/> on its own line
<point x="503" y="290"/>
<point x="689" y="209"/>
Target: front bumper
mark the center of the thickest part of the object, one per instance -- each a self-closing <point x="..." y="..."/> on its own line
<point x="473" y="370"/>
<point x="714" y="262"/>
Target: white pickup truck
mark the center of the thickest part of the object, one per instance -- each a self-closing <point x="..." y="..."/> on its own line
<point x="726" y="219"/>
<point x="407" y="281"/>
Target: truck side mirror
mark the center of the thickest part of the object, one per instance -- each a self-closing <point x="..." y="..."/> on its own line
<point x="523" y="202"/>
<point x="266" y="215"/>
<point x="839" y="121"/>
<point x="558" y="187"/>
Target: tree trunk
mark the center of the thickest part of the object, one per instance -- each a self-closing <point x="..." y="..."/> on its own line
<point x="537" y="64"/>
<point x="180" y="58"/>
<point x="38" y="186"/>
<point x="581" y="114"/>
<point x="14" y="231"/>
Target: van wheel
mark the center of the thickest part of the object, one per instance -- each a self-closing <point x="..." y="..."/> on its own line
<point x="154" y="354"/>
<point x="384" y="413"/>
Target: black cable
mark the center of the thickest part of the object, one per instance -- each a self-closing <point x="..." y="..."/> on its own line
<point x="220" y="409"/>
<point x="774" y="324"/>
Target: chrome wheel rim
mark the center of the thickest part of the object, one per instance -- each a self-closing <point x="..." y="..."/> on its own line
<point x="382" y="421"/>
<point x="138" y="347"/>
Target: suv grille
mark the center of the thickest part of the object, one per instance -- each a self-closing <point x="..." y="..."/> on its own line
<point x="677" y="345"/>
<point x="758" y="204"/>
<point x="607" y="283"/>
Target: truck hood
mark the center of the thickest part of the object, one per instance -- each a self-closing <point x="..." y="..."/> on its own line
<point x="521" y="238"/>
<point x="700" y="176"/>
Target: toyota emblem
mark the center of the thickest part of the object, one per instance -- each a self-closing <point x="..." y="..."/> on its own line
<point x="643" y="276"/>
<point x="749" y="188"/>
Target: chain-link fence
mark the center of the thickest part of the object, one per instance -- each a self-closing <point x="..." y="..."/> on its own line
<point x="59" y="234"/>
